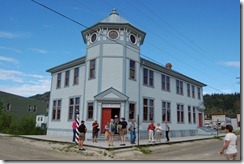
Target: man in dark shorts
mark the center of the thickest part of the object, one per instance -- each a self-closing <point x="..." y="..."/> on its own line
<point x="123" y="131"/>
<point x="82" y="129"/>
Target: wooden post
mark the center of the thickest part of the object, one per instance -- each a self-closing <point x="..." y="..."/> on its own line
<point x="138" y="133"/>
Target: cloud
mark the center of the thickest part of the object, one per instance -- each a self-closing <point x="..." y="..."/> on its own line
<point x="27" y="90"/>
<point x="17" y="76"/>
<point x="231" y="64"/>
<point x="23" y="84"/>
<point x="11" y="49"/>
<point x="38" y="50"/>
<point x="7" y="59"/>
<point x="11" y="35"/>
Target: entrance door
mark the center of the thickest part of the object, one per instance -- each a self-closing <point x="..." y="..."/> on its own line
<point x="106" y="116"/>
<point x="200" y="119"/>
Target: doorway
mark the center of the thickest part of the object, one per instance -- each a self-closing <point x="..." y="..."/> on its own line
<point x="107" y="114"/>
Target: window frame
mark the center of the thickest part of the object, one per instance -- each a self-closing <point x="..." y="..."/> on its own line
<point x="166" y="111"/>
<point x="92" y="69"/>
<point x="59" y="80"/>
<point x="132" y="70"/>
<point x="76" y="76"/>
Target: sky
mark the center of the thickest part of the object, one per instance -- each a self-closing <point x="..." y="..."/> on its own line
<point x="200" y="38"/>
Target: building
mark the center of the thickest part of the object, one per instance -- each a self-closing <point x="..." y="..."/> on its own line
<point x="113" y="79"/>
<point x="20" y="107"/>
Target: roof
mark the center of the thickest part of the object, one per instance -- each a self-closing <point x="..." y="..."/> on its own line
<point x="113" y="21"/>
<point x="114" y="18"/>
<point x="68" y="65"/>
<point x="170" y="72"/>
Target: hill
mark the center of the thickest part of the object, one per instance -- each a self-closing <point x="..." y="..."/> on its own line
<point x="228" y="104"/>
<point x="42" y="97"/>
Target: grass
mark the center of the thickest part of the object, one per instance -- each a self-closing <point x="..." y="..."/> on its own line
<point x="144" y="149"/>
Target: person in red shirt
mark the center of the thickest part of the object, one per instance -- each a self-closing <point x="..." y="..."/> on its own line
<point x="95" y="128"/>
<point x="74" y="126"/>
<point x="150" y="130"/>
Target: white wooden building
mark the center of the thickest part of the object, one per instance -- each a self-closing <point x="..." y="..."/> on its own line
<point x="113" y="79"/>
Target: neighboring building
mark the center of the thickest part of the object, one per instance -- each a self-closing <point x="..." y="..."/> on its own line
<point x="219" y="120"/>
<point x="19" y="106"/>
<point x="113" y="79"/>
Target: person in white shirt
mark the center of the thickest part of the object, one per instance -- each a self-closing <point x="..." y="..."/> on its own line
<point x="159" y="132"/>
<point x="230" y="142"/>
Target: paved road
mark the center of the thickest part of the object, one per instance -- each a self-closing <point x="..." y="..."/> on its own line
<point x="196" y="150"/>
<point x="14" y="148"/>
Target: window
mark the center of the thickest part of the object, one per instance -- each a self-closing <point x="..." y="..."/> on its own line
<point x="92" y="69"/>
<point x="165" y="83"/>
<point x="180" y="113"/>
<point x="76" y="76"/>
<point x="113" y="34"/>
<point x="66" y="82"/>
<point x="133" y="39"/>
<point x="166" y="111"/>
<point x="148" y="78"/>
<point x="90" y="110"/>
<point x="193" y="91"/>
<point x="145" y="76"/>
<point x="194" y="114"/>
<point x="59" y="80"/>
<point x="189" y="114"/>
<point x="188" y="90"/>
<point x="34" y="108"/>
<point x="29" y="108"/>
<point x="179" y="87"/>
<point x="93" y="37"/>
<point x="148" y="109"/>
<point x="8" y="106"/>
<point x="131" y="111"/>
<point x="132" y="70"/>
<point x="56" y="110"/>
<point x="74" y="108"/>
<point x="199" y="93"/>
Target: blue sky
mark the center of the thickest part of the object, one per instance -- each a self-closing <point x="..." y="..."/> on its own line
<point x="200" y="38"/>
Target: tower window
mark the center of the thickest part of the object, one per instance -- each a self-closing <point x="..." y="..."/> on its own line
<point x="93" y="37"/>
<point x="133" y="39"/>
<point x="113" y="34"/>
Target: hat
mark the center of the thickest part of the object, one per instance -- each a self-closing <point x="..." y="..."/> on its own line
<point x="116" y="116"/>
<point x="82" y="121"/>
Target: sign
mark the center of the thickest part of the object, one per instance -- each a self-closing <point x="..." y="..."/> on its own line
<point x="111" y="105"/>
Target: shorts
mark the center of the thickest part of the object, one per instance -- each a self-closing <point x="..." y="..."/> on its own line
<point x="123" y="131"/>
<point x="111" y="133"/>
<point x="82" y="136"/>
<point x="231" y="156"/>
<point x="94" y="133"/>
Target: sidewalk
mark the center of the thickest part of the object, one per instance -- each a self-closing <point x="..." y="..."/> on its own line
<point x="104" y="145"/>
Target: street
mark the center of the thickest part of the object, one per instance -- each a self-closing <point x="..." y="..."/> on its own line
<point x="16" y="148"/>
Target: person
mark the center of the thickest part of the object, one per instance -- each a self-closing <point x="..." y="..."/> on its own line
<point x="111" y="133"/>
<point x="132" y="129"/>
<point x="106" y="131"/>
<point x="82" y="129"/>
<point x="74" y="126"/>
<point x="150" y="130"/>
<point x="95" y="129"/>
<point x="167" y="129"/>
<point x="159" y="132"/>
<point x="123" y="131"/>
<point x="119" y="128"/>
<point x="116" y="121"/>
<point x="230" y="143"/>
